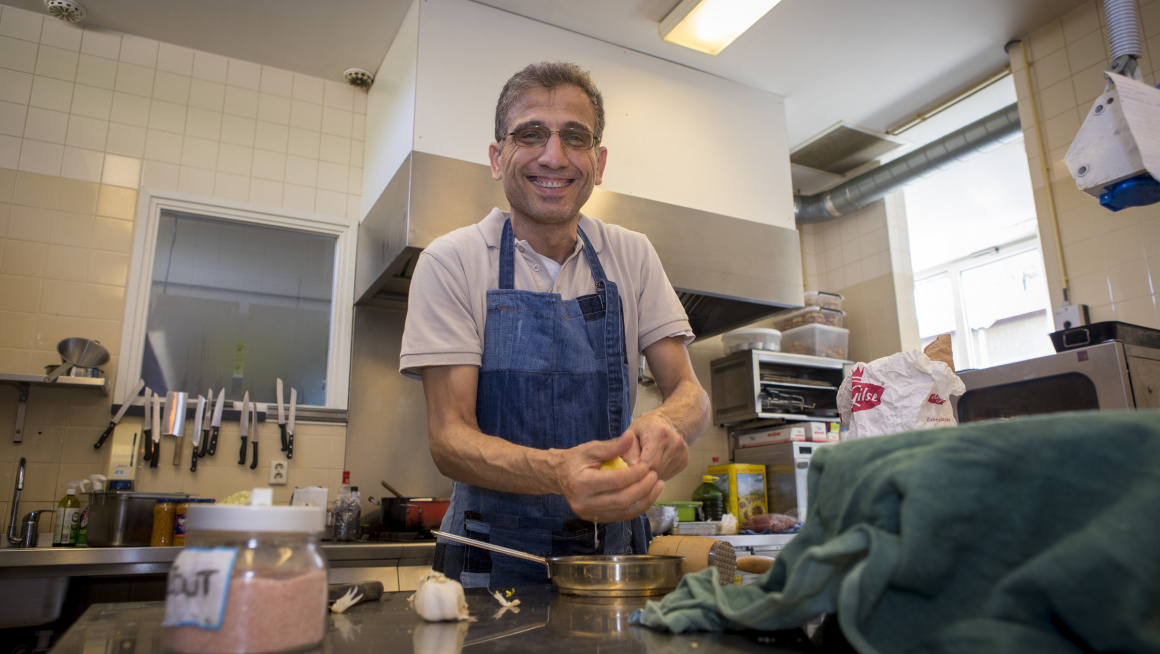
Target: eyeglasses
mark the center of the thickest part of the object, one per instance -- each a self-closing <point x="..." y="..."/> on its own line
<point x="570" y="137"/>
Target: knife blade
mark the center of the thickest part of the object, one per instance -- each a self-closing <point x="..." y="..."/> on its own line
<point x="129" y="398"/>
<point x="254" y="434"/>
<point x="290" y="424"/>
<point x="244" y="427"/>
<point x="147" y="426"/>
<point x="281" y="416"/>
<point x="205" y="424"/>
<point x="195" y="435"/>
<point x="176" y="407"/>
<point x="216" y="423"/>
<point x="156" y="431"/>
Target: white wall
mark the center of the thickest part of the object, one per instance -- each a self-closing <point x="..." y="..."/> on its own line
<point x="674" y="134"/>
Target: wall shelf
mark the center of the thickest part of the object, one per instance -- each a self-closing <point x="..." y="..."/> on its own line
<point x="24" y="384"/>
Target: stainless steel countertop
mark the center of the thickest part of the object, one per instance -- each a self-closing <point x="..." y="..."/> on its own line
<point x="81" y="561"/>
<point x="546" y="621"/>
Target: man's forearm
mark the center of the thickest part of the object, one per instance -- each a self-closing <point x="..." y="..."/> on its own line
<point x="687" y="409"/>
<point x="470" y="456"/>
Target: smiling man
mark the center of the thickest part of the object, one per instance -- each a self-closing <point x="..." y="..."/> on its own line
<point x="526" y="329"/>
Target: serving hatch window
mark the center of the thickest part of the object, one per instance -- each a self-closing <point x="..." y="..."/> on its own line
<point x="236" y="299"/>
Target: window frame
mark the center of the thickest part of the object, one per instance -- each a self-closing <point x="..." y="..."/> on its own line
<point x="149" y="207"/>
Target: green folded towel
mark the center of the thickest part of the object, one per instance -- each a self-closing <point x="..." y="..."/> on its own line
<point x="1032" y="535"/>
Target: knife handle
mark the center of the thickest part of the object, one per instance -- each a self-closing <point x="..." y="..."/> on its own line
<point x="282" y="429"/>
<point x="290" y="445"/>
<point x="148" y="438"/>
<point x="156" y="455"/>
<point x="104" y="436"/>
<point x="254" y="463"/>
<point x="193" y="461"/>
<point x="213" y="441"/>
<point x="242" y="454"/>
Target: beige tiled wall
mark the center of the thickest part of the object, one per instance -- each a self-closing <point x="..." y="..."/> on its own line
<point x="1111" y="258"/>
<point x="88" y="117"/>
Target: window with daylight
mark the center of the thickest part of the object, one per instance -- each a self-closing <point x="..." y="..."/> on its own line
<point x="226" y="297"/>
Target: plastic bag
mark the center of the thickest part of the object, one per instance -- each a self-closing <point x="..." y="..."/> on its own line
<point x="900" y="392"/>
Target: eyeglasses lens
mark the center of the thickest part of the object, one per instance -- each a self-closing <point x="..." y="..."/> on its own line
<point x="537" y="137"/>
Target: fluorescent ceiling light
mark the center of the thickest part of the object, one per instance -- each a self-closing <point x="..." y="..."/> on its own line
<point x="711" y="25"/>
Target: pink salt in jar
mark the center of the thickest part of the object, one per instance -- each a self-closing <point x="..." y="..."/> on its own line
<point x="250" y="580"/>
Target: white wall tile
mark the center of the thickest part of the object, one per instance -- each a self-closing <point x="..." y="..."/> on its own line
<point x="337" y="122"/>
<point x="97" y="71"/>
<point x="210" y="67"/>
<point x="269" y="166"/>
<point x="310" y="89"/>
<point x="10" y="152"/>
<point x="272" y="137"/>
<point x="334" y="149"/>
<point x="298" y="197"/>
<point x="303" y="143"/>
<point x="137" y="80"/>
<point x="265" y="192"/>
<point x="235" y="159"/>
<point x="100" y="42"/>
<point x="354" y="206"/>
<point x="12" y="118"/>
<point x="171" y="87"/>
<point x="196" y="181"/>
<point x="17" y="54"/>
<point x="301" y="171"/>
<point x="128" y="140"/>
<point x="57" y="63"/>
<point x="163" y="146"/>
<point x="360" y="103"/>
<point x="48" y="93"/>
<point x="333" y="177"/>
<point x="160" y="175"/>
<point x="305" y="115"/>
<point x="167" y="116"/>
<point x="175" y="59"/>
<point x="277" y="82"/>
<point x="46" y="125"/>
<point x="130" y="109"/>
<point x="204" y="94"/>
<point x="84" y="165"/>
<point x="203" y="123"/>
<point x="244" y="74"/>
<point x="354" y="182"/>
<point x="121" y="171"/>
<point x="40" y="157"/>
<point x="238" y="130"/>
<point x="358" y="126"/>
<point x="338" y="95"/>
<point x="232" y="187"/>
<point x="21" y="24"/>
<point x="199" y="153"/>
<point x="330" y="203"/>
<point x="88" y="133"/>
<point x="274" y="109"/>
<point x="92" y="101"/>
<point x="356" y="152"/>
<point x="139" y="51"/>
<point x="241" y="102"/>
<point x="60" y="34"/>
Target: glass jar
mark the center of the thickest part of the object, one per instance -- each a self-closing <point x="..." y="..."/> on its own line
<point x="164" y="518"/>
<point x="250" y="580"/>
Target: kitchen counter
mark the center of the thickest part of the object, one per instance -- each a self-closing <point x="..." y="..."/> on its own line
<point x="545" y="620"/>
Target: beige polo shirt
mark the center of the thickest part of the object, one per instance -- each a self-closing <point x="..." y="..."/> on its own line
<point x="447" y="303"/>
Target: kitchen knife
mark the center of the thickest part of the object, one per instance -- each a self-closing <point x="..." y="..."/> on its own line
<point x="254" y="434"/>
<point x="216" y="423"/>
<point x="290" y="424"/>
<point x="147" y="426"/>
<point x="132" y="395"/>
<point x="195" y="435"/>
<point x="156" y="428"/>
<point x="244" y="427"/>
<point x="281" y="416"/>
<point x="205" y="424"/>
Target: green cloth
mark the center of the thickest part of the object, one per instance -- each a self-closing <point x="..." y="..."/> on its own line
<point x="1032" y="535"/>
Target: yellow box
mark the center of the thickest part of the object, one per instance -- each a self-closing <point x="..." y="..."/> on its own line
<point x="744" y="488"/>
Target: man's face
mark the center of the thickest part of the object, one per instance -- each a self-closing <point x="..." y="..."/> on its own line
<point x="549" y="184"/>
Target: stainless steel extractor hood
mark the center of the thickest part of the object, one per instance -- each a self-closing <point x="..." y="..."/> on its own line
<point x="728" y="272"/>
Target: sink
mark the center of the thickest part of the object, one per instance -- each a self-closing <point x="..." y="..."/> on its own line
<point x="27" y="602"/>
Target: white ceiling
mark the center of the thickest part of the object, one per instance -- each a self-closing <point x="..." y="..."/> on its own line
<point x="871" y="64"/>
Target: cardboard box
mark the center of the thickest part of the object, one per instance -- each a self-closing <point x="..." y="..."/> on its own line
<point x="818" y="432"/>
<point x="744" y="488"/>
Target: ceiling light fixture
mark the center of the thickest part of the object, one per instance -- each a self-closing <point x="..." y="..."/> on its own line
<point x="711" y="25"/>
<point x="66" y="10"/>
<point x="359" y="78"/>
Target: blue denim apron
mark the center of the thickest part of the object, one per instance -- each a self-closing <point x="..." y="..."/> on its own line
<point x="554" y="374"/>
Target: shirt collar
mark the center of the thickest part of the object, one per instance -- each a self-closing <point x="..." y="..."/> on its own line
<point x="492" y="229"/>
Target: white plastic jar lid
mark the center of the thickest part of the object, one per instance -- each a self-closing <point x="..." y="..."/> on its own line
<point x="259" y="516"/>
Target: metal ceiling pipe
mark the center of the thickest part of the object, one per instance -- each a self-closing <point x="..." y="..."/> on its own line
<point x="874" y="184"/>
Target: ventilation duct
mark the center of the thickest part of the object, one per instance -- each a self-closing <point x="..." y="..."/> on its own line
<point x="872" y="185"/>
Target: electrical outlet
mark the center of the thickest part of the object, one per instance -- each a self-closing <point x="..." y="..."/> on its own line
<point x="278" y="471"/>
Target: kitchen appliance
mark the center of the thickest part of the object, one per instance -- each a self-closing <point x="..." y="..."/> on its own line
<point x="123" y="518"/>
<point x="728" y="272"/>
<point x="1115" y="374"/>
<point x="787" y="467"/>
<point x="598" y="576"/>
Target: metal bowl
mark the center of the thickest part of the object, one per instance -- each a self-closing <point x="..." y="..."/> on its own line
<point x="82" y="352"/>
<point x="661" y="519"/>
<point x="631" y="575"/>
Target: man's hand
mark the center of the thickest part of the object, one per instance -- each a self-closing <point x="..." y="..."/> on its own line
<point x="605" y="495"/>
<point x="662" y="447"/>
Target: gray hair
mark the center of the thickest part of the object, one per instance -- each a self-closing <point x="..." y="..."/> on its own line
<point x="547" y="75"/>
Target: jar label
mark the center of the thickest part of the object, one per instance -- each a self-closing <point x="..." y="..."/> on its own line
<point x="195" y="593"/>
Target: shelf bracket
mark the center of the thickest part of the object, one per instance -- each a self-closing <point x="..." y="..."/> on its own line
<point x="21" y="408"/>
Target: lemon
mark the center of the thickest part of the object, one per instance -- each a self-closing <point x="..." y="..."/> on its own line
<point x="613" y="464"/>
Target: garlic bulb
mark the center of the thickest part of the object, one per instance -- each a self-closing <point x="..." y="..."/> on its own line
<point x="439" y="598"/>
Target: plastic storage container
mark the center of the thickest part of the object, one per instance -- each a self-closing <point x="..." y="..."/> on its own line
<point x="751" y="339"/>
<point x="686" y="511"/>
<point x="809" y="316"/>
<point x="817" y="340"/>
<point x="251" y="579"/>
<point x="824" y="300"/>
